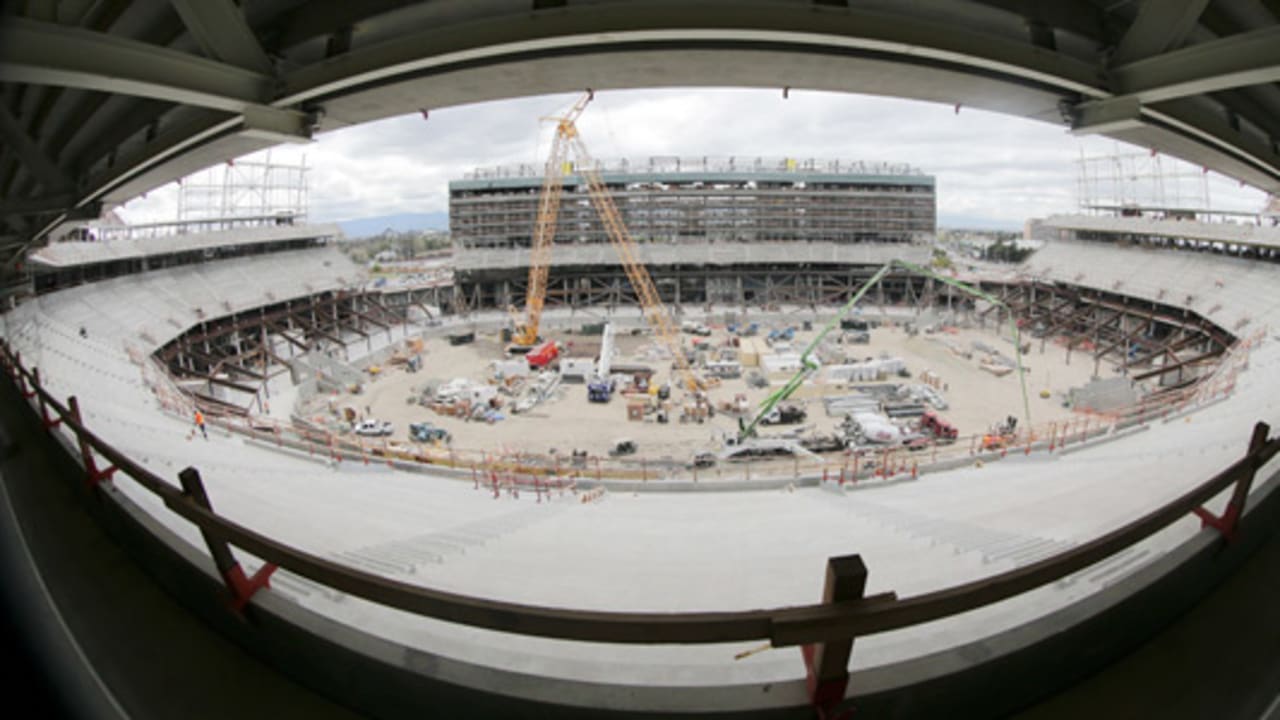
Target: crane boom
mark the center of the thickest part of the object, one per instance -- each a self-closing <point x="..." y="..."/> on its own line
<point x="544" y="228"/>
<point x="567" y="143"/>
<point x="655" y="312"/>
<point x="808" y="366"/>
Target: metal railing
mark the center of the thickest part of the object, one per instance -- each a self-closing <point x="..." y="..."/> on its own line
<point x="708" y="164"/>
<point x="825" y="630"/>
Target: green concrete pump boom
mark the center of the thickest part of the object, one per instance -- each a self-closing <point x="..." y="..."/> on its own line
<point x="808" y="365"/>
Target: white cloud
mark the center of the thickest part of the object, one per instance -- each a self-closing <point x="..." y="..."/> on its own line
<point x="990" y="168"/>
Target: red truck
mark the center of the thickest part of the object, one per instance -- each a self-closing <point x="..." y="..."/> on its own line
<point x="542" y="355"/>
<point x="942" y="430"/>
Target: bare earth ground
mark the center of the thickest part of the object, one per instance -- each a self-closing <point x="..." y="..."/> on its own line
<point x="567" y="421"/>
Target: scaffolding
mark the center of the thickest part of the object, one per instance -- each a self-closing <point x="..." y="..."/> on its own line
<point x="693" y="200"/>
<point x="1129" y="183"/>
<point x="244" y="188"/>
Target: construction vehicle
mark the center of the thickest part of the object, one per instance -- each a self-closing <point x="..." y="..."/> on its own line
<point x="941" y="430"/>
<point x="868" y="428"/>
<point x="567" y="143"/>
<point x="600" y="390"/>
<point x="426" y="432"/>
<point x="702" y="459"/>
<point x="784" y="335"/>
<point x="823" y="442"/>
<point x="542" y="355"/>
<point x="1001" y="435"/>
<point x="544" y="228"/>
<point x="622" y="446"/>
<point x="601" y="386"/>
<point x="373" y="428"/>
<point x="789" y="414"/>
<point x="808" y="365"/>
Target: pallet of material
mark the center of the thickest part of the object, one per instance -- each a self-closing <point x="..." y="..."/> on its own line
<point x="907" y="409"/>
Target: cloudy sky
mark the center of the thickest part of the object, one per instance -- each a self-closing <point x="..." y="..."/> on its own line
<point x="992" y="170"/>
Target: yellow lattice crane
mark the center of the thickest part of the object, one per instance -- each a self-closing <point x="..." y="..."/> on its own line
<point x="568" y="144"/>
<point x="544" y="228"/>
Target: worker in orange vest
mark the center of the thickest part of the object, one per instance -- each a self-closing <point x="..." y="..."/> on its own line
<point x="200" y="424"/>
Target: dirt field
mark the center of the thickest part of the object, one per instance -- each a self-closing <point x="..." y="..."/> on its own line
<point x="568" y="421"/>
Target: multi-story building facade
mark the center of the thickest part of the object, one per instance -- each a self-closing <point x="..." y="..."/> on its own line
<point x="703" y="226"/>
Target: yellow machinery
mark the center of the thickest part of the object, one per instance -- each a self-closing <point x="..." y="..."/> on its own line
<point x="568" y="143"/>
<point x="544" y="229"/>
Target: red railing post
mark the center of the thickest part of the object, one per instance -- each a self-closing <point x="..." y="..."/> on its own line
<point x="49" y="423"/>
<point x="1229" y="520"/>
<point x="827" y="663"/>
<point x="92" y="473"/>
<point x="22" y="379"/>
<point x="241" y="587"/>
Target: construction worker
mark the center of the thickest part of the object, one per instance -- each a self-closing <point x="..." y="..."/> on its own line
<point x="200" y="424"/>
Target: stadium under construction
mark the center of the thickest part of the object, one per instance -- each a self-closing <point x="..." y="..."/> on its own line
<point x="670" y="436"/>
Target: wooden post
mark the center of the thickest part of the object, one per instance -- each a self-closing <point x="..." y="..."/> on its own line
<point x="242" y="588"/>
<point x="827" y="664"/>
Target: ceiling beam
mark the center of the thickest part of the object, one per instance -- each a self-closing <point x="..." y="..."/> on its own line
<point x="47" y="54"/>
<point x="1160" y="25"/>
<point x="1106" y="116"/>
<point x="1251" y="58"/>
<point x="35" y="205"/>
<point x="221" y="31"/>
<point x="16" y="139"/>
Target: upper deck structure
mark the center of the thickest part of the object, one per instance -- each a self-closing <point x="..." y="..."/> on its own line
<point x="734" y="199"/>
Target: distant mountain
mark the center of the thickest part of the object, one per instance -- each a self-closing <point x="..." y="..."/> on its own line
<point x="401" y="222"/>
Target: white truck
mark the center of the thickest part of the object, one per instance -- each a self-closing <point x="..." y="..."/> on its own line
<point x="373" y="428"/>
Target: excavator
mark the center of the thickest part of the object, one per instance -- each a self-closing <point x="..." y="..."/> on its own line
<point x="568" y="144"/>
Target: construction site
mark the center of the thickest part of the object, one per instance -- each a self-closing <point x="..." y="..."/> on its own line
<point x="906" y="359"/>
<point x="612" y="392"/>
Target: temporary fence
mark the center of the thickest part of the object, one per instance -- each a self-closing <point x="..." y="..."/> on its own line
<point x="849" y="468"/>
